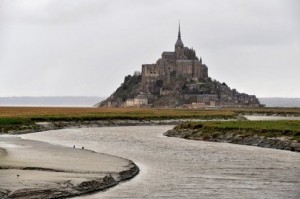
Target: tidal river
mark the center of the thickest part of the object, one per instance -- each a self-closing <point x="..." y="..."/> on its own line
<point x="178" y="168"/>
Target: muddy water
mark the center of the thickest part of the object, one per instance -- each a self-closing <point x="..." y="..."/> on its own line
<point x="178" y="168"/>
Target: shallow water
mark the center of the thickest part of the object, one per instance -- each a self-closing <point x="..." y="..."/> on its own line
<point x="271" y="117"/>
<point x="178" y="168"/>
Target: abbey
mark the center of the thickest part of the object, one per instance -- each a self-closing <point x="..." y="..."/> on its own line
<point x="180" y="64"/>
<point x="177" y="79"/>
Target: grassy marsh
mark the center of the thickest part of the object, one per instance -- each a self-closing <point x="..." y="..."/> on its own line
<point x="43" y="113"/>
<point x="248" y="128"/>
<point x="18" y="118"/>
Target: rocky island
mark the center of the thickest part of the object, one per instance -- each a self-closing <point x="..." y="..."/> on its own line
<point x="177" y="79"/>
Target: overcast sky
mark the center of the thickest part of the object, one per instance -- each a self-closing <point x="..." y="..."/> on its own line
<point x="86" y="47"/>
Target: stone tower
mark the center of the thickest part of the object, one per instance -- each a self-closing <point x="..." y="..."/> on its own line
<point x="182" y="64"/>
<point x="179" y="47"/>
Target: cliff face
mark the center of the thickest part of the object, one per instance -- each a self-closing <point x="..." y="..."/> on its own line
<point x="129" y="89"/>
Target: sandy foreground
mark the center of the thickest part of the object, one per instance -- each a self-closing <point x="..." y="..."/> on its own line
<point x="33" y="169"/>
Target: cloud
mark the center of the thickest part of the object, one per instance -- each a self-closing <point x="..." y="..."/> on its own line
<point x="51" y="11"/>
<point x="86" y="47"/>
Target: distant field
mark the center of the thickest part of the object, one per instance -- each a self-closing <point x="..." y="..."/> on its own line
<point x="49" y="113"/>
<point x="17" y="118"/>
<point x="67" y="113"/>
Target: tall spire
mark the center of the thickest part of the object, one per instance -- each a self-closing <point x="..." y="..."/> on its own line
<point x="179" y="42"/>
<point x="179" y="33"/>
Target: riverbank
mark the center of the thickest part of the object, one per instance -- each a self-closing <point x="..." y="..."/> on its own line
<point x="51" y="125"/>
<point x="14" y="120"/>
<point x="283" y="135"/>
<point x="267" y="111"/>
<point x="27" y="119"/>
<point x="33" y="169"/>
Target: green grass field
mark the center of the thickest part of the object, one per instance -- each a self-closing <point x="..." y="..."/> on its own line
<point x="260" y="128"/>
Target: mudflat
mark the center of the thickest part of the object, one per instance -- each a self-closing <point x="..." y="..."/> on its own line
<point x="33" y="169"/>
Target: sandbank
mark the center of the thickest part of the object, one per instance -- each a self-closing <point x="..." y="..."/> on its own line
<point x="33" y="169"/>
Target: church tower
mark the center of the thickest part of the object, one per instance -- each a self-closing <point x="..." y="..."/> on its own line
<point x="179" y="47"/>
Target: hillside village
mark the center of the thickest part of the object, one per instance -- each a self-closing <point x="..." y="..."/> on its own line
<point x="177" y="79"/>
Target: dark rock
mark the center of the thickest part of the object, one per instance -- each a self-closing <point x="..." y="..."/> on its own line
<point x="295" y="147"/>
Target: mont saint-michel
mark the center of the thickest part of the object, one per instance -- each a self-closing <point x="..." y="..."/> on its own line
<point x="178" y="79"/>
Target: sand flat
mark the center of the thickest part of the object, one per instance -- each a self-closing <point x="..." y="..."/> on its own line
<point x="33" y="169"/>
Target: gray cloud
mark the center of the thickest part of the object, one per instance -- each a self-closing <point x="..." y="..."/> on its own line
<point x="80" y="47"/>
<point x="51" y="11"/>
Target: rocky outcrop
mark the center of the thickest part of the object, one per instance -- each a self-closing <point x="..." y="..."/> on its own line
<point x="236" y="137"/>
<point x="130" y="173"/>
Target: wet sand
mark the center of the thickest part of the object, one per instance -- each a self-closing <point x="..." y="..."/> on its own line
<point x="33" y="169"/>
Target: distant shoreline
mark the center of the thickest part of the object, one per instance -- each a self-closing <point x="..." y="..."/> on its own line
<point x="280" y="102"/>
<point x="48" y="101"/>
<point x="90" y="101"/>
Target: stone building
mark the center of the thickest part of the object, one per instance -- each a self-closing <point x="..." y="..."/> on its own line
<point x="139" y="101"/>
<point x="177" y="79"/>
<point x="172" y="66"/>
<point x="207" y="98"/>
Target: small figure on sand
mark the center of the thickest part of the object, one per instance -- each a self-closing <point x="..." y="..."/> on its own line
<point x="18" y="175"/>
<point x="82" y="148"/>
<point x="74" y="146"/>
